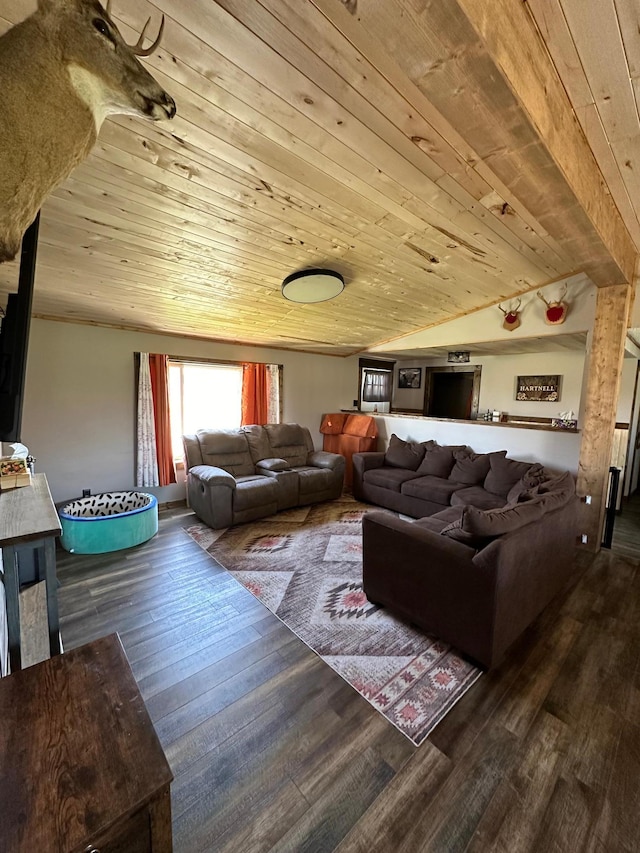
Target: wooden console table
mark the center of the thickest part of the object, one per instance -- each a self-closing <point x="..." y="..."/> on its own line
<point x="29" y="525"/>
<point x="81" y="766"/>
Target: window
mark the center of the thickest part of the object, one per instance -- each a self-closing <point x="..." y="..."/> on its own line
<point x="376" y="384"/>
<point x="202" y="396"/>
<point x="376" y="387"/>
<point x="205" y="395"/>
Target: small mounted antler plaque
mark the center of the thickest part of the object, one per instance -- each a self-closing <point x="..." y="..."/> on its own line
<point x="511" y="317"/>
<point x="556" y="312"/>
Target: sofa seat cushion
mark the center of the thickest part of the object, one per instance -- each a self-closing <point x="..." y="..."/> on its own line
<point x="472" y="468"/>
<point x="430" y="522"/>
<point x="388" y="478"/>
<point x="313" y="480"/>
<point x="439" y="520"/>
<point x="254" y="491"/>
<point x="449" y="514"/>
<point x="476" y="496"/>
<point x="434" y="489"/>
<point x="404" y="454"/>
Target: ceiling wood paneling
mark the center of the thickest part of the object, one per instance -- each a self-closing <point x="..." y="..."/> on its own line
<point x="398" y="142"/>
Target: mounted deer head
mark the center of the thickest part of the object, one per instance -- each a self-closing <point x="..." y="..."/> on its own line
<point x="556" y="312"/>
<point x="511" y="317"/>
<point x="63" y="70"/>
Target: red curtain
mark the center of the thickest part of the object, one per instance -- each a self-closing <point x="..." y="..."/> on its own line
<point x="158" y="367"/>
<point x="254" y="394"/>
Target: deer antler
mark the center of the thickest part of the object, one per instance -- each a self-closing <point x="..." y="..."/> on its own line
<point x="540" y="296"/>
<point x="137" y="47"/>
<point x="511" y="310"/>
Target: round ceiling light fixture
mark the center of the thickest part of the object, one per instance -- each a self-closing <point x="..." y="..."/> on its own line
<point x="315" y="285"/>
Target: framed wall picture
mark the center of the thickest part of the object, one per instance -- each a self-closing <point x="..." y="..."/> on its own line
<point x="541" y="389"/>
<point x="409" y="377"/>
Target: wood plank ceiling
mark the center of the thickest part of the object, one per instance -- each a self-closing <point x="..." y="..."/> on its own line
<point x="399" y="142"/>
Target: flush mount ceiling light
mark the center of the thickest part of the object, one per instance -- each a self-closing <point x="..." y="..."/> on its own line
<point x="312" y="285"/>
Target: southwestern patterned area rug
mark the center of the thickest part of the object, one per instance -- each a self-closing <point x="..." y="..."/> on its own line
<point x="305" y="565"/>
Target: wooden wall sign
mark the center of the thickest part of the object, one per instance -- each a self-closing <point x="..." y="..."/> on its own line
<point x="542" y="389"/>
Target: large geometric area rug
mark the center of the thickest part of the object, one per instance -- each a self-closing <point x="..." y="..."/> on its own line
<point x="305" y="565"/>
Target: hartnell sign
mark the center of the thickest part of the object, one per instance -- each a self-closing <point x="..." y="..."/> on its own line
<point x="543" y="389"/>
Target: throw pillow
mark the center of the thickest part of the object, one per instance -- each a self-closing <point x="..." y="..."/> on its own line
<point x="504" y="474"/>
<point x="556" y="492"/>
<point x="495" y="522"/>
<point x="527" y="485"/>
<point x="470" y="469"/>
<point x="455" y="531"/>
<point x="438" y="460"/>
<point x="559" y="483"/>
<point x="403" y="454"/>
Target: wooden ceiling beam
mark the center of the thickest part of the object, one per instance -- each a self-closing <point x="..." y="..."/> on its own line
<point x="483" y="65"/>
<point x="515" y="45"/>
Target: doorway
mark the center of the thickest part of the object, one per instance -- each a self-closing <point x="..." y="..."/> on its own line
<point x="452" y="392"/>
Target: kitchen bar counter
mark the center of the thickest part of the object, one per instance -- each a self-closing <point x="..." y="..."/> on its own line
<point x="556" y="448"/>
<point x="512" y="422"/>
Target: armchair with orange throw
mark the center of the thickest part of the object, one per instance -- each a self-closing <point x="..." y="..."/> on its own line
<point x="348" y="434"/>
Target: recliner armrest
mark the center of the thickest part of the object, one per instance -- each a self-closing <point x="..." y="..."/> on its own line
<point x="213" y="476"/>
<point x="325" y="459"/>
<point x="271" y="464"/>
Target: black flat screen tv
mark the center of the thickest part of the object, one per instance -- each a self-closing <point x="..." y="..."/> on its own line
<point x="14" y="341"/>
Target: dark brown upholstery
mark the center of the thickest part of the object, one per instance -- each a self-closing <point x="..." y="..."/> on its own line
<point x="478" y="599"/>
<point x="418" y="494"/>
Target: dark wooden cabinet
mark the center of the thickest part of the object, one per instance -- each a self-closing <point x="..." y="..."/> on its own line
<point x="81" y="767"/>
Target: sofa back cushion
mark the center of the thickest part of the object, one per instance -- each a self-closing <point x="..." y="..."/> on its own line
<point x="226" y="449"/>
<point x="289" y="441"/>
<point x="495" y="522"/>
<point x="438" y="459"/>
<point x="192" y="451"/>
<point x="505" y="473"/>
<point x="470" y="468"/>
<point x="556" y="492"/>
<point x="404" y="454"/>
<point x="527" y="486"/>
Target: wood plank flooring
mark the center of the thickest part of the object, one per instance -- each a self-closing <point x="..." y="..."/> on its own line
<point x="272" y="751"/>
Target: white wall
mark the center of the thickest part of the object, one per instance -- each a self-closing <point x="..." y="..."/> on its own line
<point x="555" y="449"/>
<point x="498" y="382"/>
<point x="486" y="324"/>
<point x="79" y="410"/>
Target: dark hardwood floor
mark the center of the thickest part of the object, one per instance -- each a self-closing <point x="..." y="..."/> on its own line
<point x="271" y="750"/>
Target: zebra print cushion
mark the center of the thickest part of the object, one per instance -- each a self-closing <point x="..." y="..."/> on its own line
<point x="107" y="503"/>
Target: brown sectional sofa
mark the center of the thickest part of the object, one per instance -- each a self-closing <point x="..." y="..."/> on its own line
<point x="484" y="556"/>
<point x="239" y="475"/>
<point x="420" y="479"/>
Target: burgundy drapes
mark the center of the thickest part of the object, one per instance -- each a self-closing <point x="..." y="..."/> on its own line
<point x="254" y="394"/>
<point x="158" y="367"/>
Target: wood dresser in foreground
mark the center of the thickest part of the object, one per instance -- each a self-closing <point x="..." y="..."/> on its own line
<point x="81" y="767"/>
